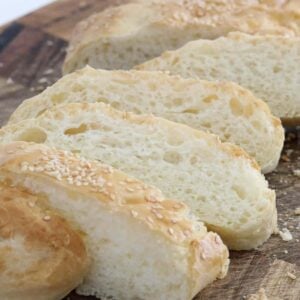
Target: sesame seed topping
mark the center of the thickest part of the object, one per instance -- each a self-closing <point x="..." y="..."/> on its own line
<point x="291" y="275"/>
<point x="202" y="255"/>
<point x="46" y="218"/>
<point x="134" y="213"/>
<point x="171" y="231"/>
<point x="130" y="180"/>
<point x="150" y="220"/>
<point x="67" y="239"/>
<point x="151" y="198"/>
<point x="177" y="206"/>
<point x="31" y="204"/>
<point x="157" y="214"/>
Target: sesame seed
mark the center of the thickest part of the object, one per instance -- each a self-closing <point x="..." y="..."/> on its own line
<point x="46" y="218"/>
<point x="157" y="214"/>
<point x="67" y="239"/>
<point x="202" y="255"/>
<point x="31" y="204"/>
<point x="129" y="180"/>
<point x="110" y="170"/>
<point x="171" y="231"/>
<point x="134" y="213"/>
<point x="151" y="198"/>
<point x="149" y="219"/>
<point x="129" y="189"/>
<point x="291" y="275"/>
<point x="187" y="233"/>
<point x="177" y="206"/>
<point x="24" y="168"/>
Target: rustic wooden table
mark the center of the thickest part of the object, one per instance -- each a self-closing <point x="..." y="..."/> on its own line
<point x="31" y="53"/>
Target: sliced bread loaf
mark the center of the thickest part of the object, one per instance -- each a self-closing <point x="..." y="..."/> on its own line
<point x="42" y="256"/>
<point x="266" y="65"/>
<point x="222" y="108"/>
<point x="127" y="35"/>
<point x="141" y="246"/>
<point x="220" y="182"/>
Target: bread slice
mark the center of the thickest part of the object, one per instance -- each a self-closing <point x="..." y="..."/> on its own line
<point x="42" y="256"/>
<point x="220" y="182"/>
<point x="141" y="245"/>
<point x="267" y="65"/>
<point x="127" y="35"/>
<point x="225" y="109"/>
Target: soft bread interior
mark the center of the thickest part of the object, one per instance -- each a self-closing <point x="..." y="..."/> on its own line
<point x="225" y="109"/>
<point x="266" y="65"/>
<point x="218" y="181"/>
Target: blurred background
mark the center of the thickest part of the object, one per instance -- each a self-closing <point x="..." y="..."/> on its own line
<point x="11" y="9"/>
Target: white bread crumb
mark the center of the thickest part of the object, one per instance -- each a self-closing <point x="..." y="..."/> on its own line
<point x="291" y="275"/>
<point x="9" y="81"/>
<point x="261" y="295"/>
<point x="285" y="235"/>
<point x="296" y="173"/>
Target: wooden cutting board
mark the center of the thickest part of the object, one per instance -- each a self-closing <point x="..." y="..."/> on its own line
<point x="32" y="50"/>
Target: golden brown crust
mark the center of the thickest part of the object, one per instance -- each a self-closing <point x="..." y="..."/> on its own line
<point x="49" y="256"/>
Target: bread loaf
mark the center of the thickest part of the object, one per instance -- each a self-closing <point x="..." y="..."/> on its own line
<point x="127" y="35"/>
<point x="222" y="108"/>
<point x="141" y="245"/>
<point x="266" y="65"/>
<point x="42" y="257"/>
<point x="220" y="182"/>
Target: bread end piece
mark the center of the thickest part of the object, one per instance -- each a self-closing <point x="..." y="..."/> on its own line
<point x="42" y="256"/>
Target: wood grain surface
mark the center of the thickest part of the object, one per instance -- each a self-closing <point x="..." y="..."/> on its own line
<point x="32" y="50"/>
